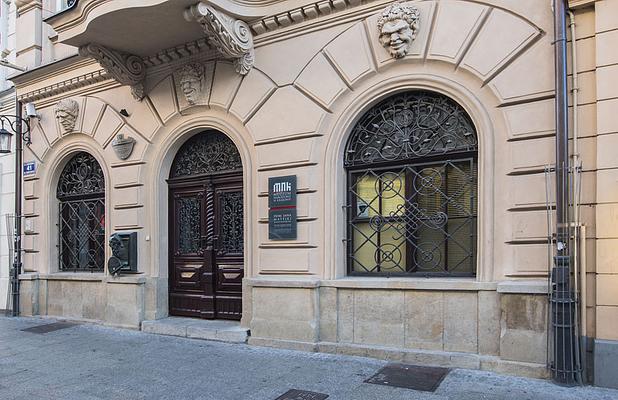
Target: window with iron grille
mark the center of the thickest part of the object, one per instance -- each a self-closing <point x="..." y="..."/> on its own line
<point x="411" y="165"/>
<point x="81" y="196"/>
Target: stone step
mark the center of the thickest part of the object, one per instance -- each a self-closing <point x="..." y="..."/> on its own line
<point x="218" y="330"/>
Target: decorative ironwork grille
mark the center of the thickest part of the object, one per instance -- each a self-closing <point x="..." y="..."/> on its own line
<point x="412" y="195"/>
<point x="206" y="153"/>
<point x="231" y="223"/>
<point x="81" y="192"/>
<point x="189" y="225"/>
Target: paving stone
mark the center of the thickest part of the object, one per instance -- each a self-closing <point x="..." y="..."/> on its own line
<point x="94" y="362"/>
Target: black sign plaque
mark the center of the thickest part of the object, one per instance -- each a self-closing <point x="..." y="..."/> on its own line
<point x="282" y="208"/>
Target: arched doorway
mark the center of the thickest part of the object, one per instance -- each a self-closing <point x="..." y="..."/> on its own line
<point x="206" y="229"/>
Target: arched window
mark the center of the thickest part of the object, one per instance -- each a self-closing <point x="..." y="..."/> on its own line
<point x="81" y="194"/>
<point x="411" y="163"/>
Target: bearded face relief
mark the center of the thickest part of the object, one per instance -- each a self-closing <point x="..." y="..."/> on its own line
<point x="66" y="111"/>
<point x="192" y="82"/>
<point x="398" y="25"/>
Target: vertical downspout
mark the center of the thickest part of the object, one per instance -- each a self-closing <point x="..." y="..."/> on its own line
<point x="18" y="211"/>
<point x="565" y="366"/>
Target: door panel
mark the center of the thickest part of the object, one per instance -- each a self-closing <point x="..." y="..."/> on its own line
<point x="188" y="294"/>
<point x="229" y="246"/>
<point x="206" y="247"/>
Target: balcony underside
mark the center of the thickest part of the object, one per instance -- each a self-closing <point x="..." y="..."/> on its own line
<point x="145" y="27"/>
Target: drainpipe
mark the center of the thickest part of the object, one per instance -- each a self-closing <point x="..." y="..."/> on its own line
<point x="16" y="270"/>
<point x="565" y="365"/>
<point x="579" y="233"/>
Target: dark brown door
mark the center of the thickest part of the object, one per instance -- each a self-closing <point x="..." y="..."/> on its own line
<point x="206" y="247"/>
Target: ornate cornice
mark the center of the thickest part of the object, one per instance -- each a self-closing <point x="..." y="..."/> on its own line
<point x="64" y="86"/>
<point x="127" y="69"/>
<point x="302" y="14"/>
<point x="230" y="36"/>
<point x="177" y="53"/>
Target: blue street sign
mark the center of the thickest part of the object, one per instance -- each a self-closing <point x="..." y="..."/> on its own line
<point x="29" y="168"/>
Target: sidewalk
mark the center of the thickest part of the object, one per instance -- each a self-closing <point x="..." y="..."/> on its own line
<point x="85" y="362"/>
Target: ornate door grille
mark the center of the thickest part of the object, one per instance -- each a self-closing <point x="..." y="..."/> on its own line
<point x="207" y="153"/>
<point x="412" y="189"/>
<point x="81" y="192"/>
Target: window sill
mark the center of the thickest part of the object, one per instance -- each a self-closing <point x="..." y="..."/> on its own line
<point x="66" y="276"/>
<point x="84" y="277"/>
<point x="452" y="284"/>
<point x="455" y="284"/>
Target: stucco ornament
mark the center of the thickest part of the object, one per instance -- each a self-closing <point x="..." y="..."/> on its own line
<point x="398" y="26"/>
<point x="192" y="82"/>
<point x="123" y="146"/>
<point x="127" y="69"/>
<point x="230" y="36"/>
<point x="66" y="111"/>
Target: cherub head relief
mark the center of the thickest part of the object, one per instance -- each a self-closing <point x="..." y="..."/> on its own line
<point x="398" y="25"/>
<point x="66" y="112"/>
<point x="192" y="82"/>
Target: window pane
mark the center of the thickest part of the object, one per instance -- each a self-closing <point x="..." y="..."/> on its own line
<point x="367" y="197"/>
<point x="420" y="219"/>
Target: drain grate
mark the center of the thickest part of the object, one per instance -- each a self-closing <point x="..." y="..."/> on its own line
<point x="414" y="377"/>
<point x="56" y="326"/>
<point x="295" y="394"/>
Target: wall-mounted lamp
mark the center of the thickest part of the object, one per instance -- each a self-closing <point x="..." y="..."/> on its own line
<point x="17" y="125"/>
<point x="31" y="111"/>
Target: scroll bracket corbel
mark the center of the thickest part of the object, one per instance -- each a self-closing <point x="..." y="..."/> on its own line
<point x="230" y="36"/>
<point x="126" y="69"/>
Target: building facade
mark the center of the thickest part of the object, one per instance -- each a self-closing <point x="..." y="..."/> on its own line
<point x="418" y="136"/>
<point x="7" y="161"/>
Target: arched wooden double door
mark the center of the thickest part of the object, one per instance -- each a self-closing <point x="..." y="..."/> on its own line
<point x="206" y="229"/>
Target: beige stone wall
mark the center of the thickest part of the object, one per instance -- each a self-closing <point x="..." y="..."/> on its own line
<point x="468" y="325"/>
<point x="291" y="114"/>
<point x="606" y="233"/>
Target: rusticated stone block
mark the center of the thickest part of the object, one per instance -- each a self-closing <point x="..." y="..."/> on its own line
<point x="460" y="321"/>
<point x="523" y="328"/>
<point x="378" y="317"/>
<point x="424" y="325"/>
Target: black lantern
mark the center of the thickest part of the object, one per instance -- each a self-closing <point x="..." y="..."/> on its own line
<point x="16" y="125"/>
<point x="5" y="141"/>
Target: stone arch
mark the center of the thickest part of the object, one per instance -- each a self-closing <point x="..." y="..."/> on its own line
<point x="55" y="161"/>
<point x="167" y="142"/>
<point x="349" y="110"/>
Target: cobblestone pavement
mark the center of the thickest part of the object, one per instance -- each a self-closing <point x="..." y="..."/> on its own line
<point x="94" y="362"/>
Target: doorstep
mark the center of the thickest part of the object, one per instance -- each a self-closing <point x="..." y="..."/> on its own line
<point x="219" y="330"/>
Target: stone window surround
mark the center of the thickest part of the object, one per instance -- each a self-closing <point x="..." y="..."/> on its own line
<point x="335" y="254"/>
<point x="76" y="143"/>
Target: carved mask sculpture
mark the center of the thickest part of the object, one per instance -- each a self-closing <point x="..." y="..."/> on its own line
<point x="398" y="25"/>
<point x="192" y="82"/>
<point x="66" y="112"/>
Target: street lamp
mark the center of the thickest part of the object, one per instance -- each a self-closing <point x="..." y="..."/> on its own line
<point x="20" y="127"/>
<point x="5" y="141"/>
<point x="15" y="124"/>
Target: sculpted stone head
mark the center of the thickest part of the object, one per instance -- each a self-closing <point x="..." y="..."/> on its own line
<point x="398" y="25"/>
<point x="66" y="112"/>
<point x="192" y="82"/>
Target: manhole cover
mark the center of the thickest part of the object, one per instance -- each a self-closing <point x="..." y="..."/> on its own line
<point x="295" y="394"/>
<point x="56" y="326"/>
<point x="413" y="377"/>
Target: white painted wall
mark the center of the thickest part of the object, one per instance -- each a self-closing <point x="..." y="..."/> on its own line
<point x="7" y="168"/>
